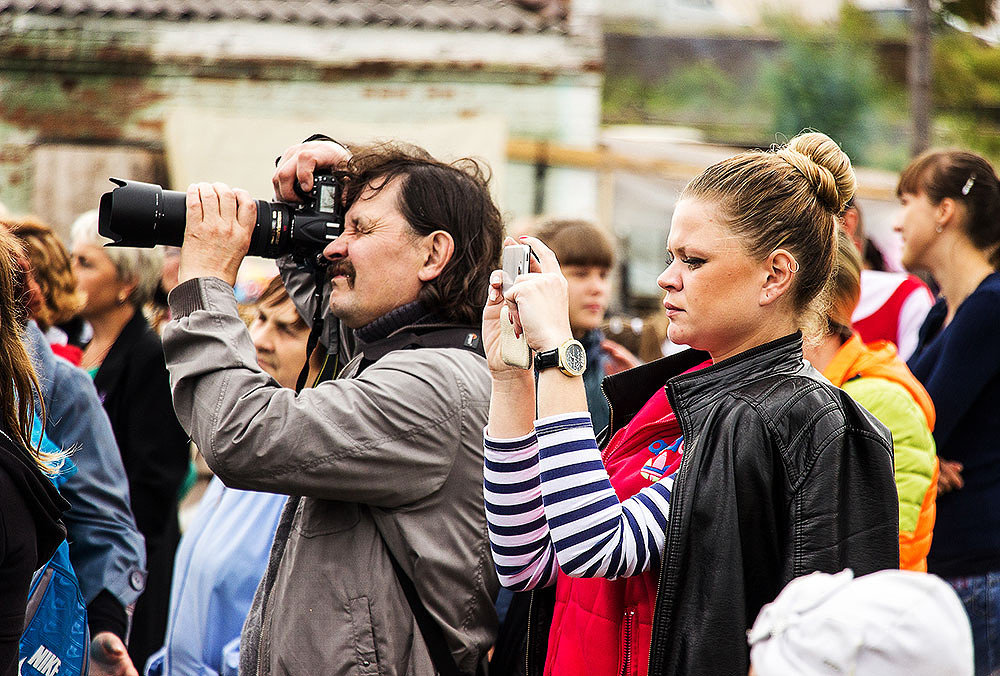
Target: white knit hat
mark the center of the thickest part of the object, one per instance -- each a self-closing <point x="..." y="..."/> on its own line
<point x="883" y="624"/>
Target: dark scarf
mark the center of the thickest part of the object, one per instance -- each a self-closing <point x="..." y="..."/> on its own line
<point x="387" y="324"/>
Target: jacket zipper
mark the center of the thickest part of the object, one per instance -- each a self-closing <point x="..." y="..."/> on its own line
<point x="668" y="552"/>
<point x="527" y="635"/>
<point x="627" y="639"/>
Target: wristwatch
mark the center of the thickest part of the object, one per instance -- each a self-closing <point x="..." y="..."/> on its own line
<point x="570" y="357"/>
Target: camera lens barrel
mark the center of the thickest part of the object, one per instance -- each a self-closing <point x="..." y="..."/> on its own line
<point x="144" y="215"/>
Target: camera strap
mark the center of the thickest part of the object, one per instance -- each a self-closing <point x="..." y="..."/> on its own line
<point x="318" y="324"/>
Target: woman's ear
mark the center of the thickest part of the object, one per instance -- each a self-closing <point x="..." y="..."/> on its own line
<point x="946" y="212"/>
<point x="781" y="267"/>
<point x="440" y="247"/>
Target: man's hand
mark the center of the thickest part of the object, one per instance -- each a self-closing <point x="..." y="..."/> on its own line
<point x="950" y="476"/>
<point x="217" y="232"/>
<point x="108" y="656"/>
<point x="299" y="162"/>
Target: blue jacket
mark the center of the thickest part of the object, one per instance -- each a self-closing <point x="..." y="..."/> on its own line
<point x="219" y="563"/>
<point x="106" y="549"/>
<point x="960" y="368"/>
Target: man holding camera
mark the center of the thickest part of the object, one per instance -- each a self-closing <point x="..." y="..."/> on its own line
<point x="382" y="566"/>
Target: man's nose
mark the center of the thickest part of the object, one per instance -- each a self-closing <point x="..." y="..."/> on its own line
<point x="335" y="249"/>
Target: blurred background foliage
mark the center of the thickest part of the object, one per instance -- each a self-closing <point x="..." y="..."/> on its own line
<point x="832" y="77"/>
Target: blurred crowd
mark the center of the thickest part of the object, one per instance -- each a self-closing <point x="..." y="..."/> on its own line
<point x="791" y="466"/>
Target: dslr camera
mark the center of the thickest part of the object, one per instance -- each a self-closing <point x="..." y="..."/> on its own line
<point x="144" y="215"/>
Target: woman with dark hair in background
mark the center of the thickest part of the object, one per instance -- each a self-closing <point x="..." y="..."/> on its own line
<point x="950" y="224"/>
<point x="125" y="358"/>
<point x="30" y="506"/>
<point x="733" y="467"/>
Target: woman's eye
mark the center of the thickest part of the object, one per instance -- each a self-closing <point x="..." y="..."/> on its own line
<point x="693" y="263"/>
<point x="669" y="259"/>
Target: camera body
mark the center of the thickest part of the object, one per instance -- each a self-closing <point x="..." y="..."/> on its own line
<point x="144" y="215"/>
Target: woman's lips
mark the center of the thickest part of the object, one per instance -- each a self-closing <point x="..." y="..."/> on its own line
<point x="671" y="309"/>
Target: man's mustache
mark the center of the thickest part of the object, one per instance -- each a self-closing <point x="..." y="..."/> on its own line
<point x="341" y="267"/>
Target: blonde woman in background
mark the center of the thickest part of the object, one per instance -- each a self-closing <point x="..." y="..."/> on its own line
<point x="879" y="380"/>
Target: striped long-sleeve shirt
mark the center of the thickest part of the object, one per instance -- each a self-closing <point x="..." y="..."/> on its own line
<point x="549" y="503"/>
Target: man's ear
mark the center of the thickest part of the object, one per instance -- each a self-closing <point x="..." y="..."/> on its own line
<point x="440" y="247"/>
<point x="780" y="268"/>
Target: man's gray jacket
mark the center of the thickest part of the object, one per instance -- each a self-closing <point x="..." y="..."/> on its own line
<point x="391" y="457"/>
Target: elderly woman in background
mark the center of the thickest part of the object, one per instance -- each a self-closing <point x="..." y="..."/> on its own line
<point x="125" y="358"/>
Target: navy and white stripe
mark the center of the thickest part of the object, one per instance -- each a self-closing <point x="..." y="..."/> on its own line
<point x="548" y="498"/>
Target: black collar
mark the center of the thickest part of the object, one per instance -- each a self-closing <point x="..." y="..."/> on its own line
<point x="627" y="392"/>
<point x="117" y="358"/>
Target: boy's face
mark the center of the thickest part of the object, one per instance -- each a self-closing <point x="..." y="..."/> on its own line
<point x="589" y="294"/>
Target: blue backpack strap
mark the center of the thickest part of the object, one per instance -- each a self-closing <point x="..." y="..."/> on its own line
<point x="56" y="637"/>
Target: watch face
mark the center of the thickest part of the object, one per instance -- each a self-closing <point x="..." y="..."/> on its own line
<point x="576" y="358"/>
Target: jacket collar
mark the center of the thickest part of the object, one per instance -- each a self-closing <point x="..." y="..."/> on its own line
<point x="628" y="391"/>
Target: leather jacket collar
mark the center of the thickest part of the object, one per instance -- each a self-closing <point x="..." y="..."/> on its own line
<point x="628" y="391"/>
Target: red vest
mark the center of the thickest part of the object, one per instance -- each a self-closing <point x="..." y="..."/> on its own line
<point x="603" y="627"/>
<point x="883" y="324"/>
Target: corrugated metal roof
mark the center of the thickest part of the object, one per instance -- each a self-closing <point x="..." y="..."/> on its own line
<point x="507" y="16"/>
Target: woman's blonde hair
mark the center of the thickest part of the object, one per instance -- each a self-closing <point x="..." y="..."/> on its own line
<point x="844" y="289"/>
<point x="132" y="264"/>
<point x="50" y="262"/>
<point x="20" y="393"/>
<point x="786" y="198"/>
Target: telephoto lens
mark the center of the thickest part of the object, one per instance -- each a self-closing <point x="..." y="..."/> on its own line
<point x="144" y="215"/>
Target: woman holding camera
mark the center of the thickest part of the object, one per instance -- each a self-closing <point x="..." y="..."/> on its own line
<point x="30" y="506"/>
<point x="125" y="358"/>
<point x="732" y="468"/>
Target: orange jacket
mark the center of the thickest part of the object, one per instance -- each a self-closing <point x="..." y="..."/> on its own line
<point x="879" y="380"/>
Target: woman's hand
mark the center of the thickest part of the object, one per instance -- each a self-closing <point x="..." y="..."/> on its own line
<point x="539" y="301"/>
<point x="492" y="328"/>
<point x="950" y="476"/>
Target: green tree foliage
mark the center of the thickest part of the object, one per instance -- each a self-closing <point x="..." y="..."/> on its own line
<point x="827" y="86"/>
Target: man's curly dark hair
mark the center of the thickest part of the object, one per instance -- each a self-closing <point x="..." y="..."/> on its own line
<point x="433" y="196"/>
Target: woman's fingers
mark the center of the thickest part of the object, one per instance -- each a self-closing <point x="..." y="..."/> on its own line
<point x="544" y="259"/>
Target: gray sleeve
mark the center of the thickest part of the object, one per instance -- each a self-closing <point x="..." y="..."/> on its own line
<point x="386" y="438"/>
<point x="106" y="548"/>
<point x="299" y="283"/>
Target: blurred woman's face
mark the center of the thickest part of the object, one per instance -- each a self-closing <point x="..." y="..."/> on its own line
<point x="712" y="285"/>
<point x="589" y="289"/>
<point x="97" y="277"/>
<point x="916" y="223"/>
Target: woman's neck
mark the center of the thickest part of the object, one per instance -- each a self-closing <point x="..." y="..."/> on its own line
<point x="779" y="325"/>
<point x="822" y="353"/>
<point x="960" y="269"/>
<point x="107" y="327"/>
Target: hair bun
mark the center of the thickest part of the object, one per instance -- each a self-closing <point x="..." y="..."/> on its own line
<point x="827" y="168"/>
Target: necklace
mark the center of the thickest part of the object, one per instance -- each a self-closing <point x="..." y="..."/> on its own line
<point x="90" y="360"/>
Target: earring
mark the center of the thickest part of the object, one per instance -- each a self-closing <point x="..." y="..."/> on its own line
<point x="939" y="229"/>
<point x="794" y="265"/>
<point x="122" y="297"/>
